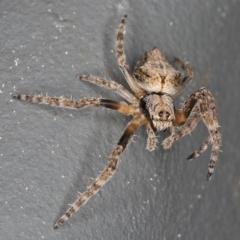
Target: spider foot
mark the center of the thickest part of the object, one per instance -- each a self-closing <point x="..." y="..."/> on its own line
<point x="167" y="143"/>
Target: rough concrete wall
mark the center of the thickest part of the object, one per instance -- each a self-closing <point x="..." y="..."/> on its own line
<point x="49" y="154"/>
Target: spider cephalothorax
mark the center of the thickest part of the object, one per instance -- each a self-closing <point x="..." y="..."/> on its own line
<point x="155" y="83"/>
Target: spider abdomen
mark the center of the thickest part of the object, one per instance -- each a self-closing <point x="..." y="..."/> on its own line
<point x="153" y="73"/>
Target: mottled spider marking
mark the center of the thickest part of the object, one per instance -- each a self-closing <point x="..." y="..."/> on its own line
<point x="59" y="102"/>
<point x="120" y="36"/>
<point x="118" y="88"/>
<point x="108" y="172"/>
<point x="202" y="149"/>
<point x="167" y="143"/>
<point x="207" y="109"/>
<point x="122" y="60"/>
<point x="84" y="102"/>
<point x="94" y="187"/>
<point x="151" y="140"/>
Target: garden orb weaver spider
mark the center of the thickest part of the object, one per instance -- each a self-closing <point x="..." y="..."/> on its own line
<point x="155" y="83"/>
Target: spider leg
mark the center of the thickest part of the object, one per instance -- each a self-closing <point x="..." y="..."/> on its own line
<point x="84" y="102"/>
<point x="152" y="140"/>
<point x="108" y="172"/>
<point x="118" y="88"/>
<point x="206" y="107"/>
<point x="167" y="143"/>
<point x="186" y="79"/>
<point x="206" y="103"/>
<point x="122" y="60"/>
<point x="202" y="149"/>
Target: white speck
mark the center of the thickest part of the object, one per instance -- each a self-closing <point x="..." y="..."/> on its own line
<point x="21" y="207"/>
<point x="49" y="10"/>
<point x="190" y="206"/>
<point x="52" y="151"/>
<point x="63" y="176"/>
<point x="120" y="6"/>
<point x="199" y="196"/>
<point x="16" y="62"/>
<point x="150" y="179"/>
<point x="223" y="14"/>
<point x="128" y="182"/>
<point x="56" y="37"/>
<point x="26" y="188"/>
<point x="171" y="23"/>
<point x="22" y="151"/>
<point x="66" y="53"/>
<point x="100" y="155"/>
<point x="74" y="12"/>
<point x="6" y="202"/>
<point x="61" y="18"/>
<point x="74" y="26"/>
<point x="13" y="51"/>
<point x="54" y="119"/>
<point x="179" y="235"/>
<point x="71" y="115"/>
<point x="0" y="91"/>
<point x="0" y="138"/>
<point x="72" y="66"/>
<point x="112" y="50"/>
<point x="2" y="85"/>
<point x="42" y="65"/>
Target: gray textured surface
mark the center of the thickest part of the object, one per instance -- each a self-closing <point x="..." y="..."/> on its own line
<point x="46" y="159"/>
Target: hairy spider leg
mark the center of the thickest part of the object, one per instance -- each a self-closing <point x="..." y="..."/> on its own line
<point x="108" y="172"/>
<point x="186" y="79"/>
<point x="84" y="102"/>
<point x="118" y="88"/>
<point x="152" y="139"/>
<point x="202" y="148"/>
<point x="206" y="104"/>
<point x="122" y="60"/>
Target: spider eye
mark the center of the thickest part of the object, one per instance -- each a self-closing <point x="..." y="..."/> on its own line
<point x="160" y="114"/>
<point x="164" y="115"/>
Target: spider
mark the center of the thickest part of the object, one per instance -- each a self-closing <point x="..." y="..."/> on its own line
<point x="155" y="83"/>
